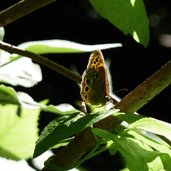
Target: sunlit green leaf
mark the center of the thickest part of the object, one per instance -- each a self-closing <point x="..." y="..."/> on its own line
<point x="62" y="109"/>
<point x="63" y="46"/>
<point x="127" y="15"/>
<point x="159" y="163"/>
<point x="65" y="127"/>
<point x="18" y="134"/>
<point x="8" y="95"/>
<point x="129" y="118"/>
<point x="21" y="71"/>
<point x="136" y="153"/>
<point x="153" y="125"/>
<point x="151" y="140"/>
<point x="2" y="33"/>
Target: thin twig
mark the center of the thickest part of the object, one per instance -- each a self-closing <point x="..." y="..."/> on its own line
<point x="41" y="60"/>
<point x="21" y="9"/>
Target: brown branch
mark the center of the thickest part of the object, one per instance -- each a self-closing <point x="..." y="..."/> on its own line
<point x="41" y="60"/>
<point x="21" y="9"/>
<point x="151" y="87"/>
<point x="129" y="104"/>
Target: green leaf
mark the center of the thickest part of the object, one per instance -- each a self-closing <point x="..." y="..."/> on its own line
<point x="8" y="95"/>
<point x="63" y="46"/>
<point x="21" y="71"/>
<point x="153" y="125"/>
<point x="2" y="33"/>
<point x="127" y="15"/>
<point x="17" y="134"/>
<point x="65" y="127"/>
<point x="137" y="154"/>
<point x="161" y="163"/>
<point x="129" y="118"/>
<point x="62" y="109"/>
<point x="151" y="140"/>
<point x="112" y="148"/>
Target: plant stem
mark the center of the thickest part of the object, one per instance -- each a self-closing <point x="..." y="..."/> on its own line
<point x="21" y="9"/>
<point x="143" y="93"/>
<point x="41" y="60"/>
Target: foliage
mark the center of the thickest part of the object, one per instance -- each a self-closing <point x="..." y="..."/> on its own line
<point x="139" y="139"/>
<point x="129" y="16"/>
<point x="18" y="110"/>
<point x="18" y="133"/>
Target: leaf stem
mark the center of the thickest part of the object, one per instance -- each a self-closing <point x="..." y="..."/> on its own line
<point x="41" y="60"/>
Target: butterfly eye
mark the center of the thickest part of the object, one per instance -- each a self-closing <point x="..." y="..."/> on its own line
<point x="86" y="89"/>
<point x="87" y="81"/>
<point x="86" y="96"/>
<point x="97" y="59"/>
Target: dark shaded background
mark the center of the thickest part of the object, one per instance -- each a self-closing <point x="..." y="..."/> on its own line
<point x="131" y="65"/>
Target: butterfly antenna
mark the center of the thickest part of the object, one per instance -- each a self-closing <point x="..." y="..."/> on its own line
<point x="123" y="89"/>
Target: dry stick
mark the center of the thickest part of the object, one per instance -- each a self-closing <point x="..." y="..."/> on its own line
<point x="21" y="9"/>
<point x="129" y="104"/>
<point x="41" y="60"/>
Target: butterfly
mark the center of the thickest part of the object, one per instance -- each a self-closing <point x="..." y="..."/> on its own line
<point x="95" y="81"/>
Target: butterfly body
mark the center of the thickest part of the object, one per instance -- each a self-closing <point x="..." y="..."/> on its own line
<point x="95" y="82"/>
